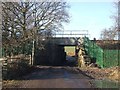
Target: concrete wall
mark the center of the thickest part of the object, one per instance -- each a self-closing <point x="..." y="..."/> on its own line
<point x="52" y="55"/>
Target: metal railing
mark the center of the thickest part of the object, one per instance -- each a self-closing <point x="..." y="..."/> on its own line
<point x="71" y="33"/>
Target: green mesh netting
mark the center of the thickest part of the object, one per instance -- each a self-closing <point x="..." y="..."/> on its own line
<point x="104" y="58"/>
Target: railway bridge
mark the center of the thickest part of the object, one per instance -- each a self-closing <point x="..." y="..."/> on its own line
<point x="55" y="53"/>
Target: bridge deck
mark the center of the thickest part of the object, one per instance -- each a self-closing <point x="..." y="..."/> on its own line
<point x="64" y="41"/>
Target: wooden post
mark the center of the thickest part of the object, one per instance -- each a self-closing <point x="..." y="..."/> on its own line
<point x="33" y="49"/>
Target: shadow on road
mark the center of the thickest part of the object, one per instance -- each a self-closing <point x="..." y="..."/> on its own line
<point x="54" y="77"/>
<point x="52" y="72"/>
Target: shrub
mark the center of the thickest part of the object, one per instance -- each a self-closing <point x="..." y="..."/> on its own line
<point x="16" y="69"/>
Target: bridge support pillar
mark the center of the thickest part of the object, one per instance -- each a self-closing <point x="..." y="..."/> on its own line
<point x="81" y="61"/>
<point x="79" y="51"/>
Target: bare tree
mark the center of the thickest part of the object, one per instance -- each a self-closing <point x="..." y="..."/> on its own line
<point x="112" y="32"/>
<point x="22" y="21"/>
<point x="108" y="34"/>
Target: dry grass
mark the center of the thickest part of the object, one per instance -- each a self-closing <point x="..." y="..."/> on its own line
<point x="10" y="83"/>
<point x="97" y="73"/>
<point x="114" y="75"/>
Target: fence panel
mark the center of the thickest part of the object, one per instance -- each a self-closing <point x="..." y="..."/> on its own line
<point x="94" y="51"/>
<point x="104" y="58"/>
<point x="110" y="58"/>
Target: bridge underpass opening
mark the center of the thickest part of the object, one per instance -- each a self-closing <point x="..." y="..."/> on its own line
<point x="55" y="48"/>
<point x="71" y="40"/>
<point x="71" y="59"/>
<point x="70" y="50"/>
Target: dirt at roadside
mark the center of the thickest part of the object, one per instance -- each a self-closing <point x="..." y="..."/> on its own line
<point x="105" y="73"/>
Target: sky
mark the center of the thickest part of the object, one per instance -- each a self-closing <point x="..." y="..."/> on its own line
<point x="91" y="16"/>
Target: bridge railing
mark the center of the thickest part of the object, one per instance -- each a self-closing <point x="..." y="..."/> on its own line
<point x="71" y="33"/>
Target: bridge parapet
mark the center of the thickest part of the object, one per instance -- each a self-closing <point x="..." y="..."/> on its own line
<point x="69" y="37"/>
<point x="71" y="33"/>
<point x="67" y="41"/>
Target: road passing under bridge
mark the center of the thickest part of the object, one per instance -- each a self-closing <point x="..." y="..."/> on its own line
<point x="54" y="77"/>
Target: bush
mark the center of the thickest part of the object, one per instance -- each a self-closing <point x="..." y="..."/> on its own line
<point x="16" y="69"/>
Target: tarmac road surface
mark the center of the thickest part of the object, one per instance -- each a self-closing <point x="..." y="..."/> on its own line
<point x="55" y="77"/>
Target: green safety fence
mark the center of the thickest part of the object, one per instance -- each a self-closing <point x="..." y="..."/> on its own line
<point x="104" y="58"/>
<point x="110" y="58"/>
<point x="94" y="51"/>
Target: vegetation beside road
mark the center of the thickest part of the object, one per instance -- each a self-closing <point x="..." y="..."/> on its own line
<point x="101" y="74"/>
<point x="16" y="69"/>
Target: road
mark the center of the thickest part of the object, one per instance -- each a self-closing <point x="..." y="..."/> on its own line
<point x="55" y="77"/>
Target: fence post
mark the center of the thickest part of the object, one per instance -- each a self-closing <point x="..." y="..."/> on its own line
<point x="103" y="58"/>
<point x="30" y="59"/>
<point x="4" y="67"/>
